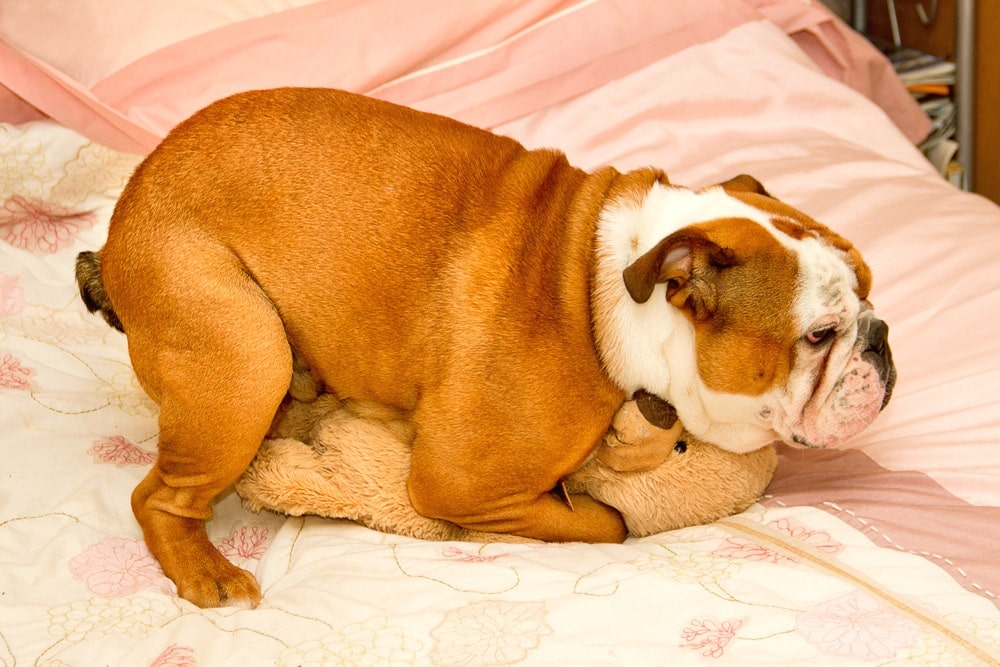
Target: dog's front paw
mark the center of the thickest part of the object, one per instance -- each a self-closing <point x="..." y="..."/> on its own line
<point x="217" y="583"/>
<point x="199" y="570"/>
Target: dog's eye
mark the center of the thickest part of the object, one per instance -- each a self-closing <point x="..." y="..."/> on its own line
<point x="680" y="447"/>
<point x="817" y="337"/>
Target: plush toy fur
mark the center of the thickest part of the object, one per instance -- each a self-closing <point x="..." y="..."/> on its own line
<point x="693" y="483"/>
<point x="332" y="459"/>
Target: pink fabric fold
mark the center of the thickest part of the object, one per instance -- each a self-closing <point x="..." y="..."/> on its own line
<point x="488" y="63"/>
<point x="37" y="89"/>
<point x="845" y="55"/>
<point x="564" y="56"/>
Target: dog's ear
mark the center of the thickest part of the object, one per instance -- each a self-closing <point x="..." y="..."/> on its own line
<point x="745" y="183"/>
<point x="688" y="261"/>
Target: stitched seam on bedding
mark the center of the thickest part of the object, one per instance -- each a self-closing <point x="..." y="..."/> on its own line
<point x="776" y="540"/>
<point x="869" y="525"/>
<point x="925" y="554"/>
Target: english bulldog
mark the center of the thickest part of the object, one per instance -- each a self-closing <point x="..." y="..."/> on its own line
<point x="503" y="301"/>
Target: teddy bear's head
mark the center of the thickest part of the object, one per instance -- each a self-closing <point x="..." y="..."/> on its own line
<point x="691" y="483"/>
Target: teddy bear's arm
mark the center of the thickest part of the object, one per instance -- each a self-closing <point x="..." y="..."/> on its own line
<point x="634" y="443"/>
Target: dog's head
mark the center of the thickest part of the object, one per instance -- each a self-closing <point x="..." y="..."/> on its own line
<point x="747" y="315"/>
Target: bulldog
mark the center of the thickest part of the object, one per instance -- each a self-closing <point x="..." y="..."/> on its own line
<point x="502" y="301"/>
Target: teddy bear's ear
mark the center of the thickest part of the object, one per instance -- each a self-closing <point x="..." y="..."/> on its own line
<point x="688" y="262"/>
<point x="657" y="411"/>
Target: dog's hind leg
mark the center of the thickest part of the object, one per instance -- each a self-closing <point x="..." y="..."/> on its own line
<point x="212" y="352"/>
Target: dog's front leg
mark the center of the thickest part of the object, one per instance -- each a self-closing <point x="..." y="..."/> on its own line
<point x="546" y="516"/>
<point x="498" y="496"/>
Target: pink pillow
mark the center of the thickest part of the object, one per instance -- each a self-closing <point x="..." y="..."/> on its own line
<point x="488" y="63"/>
<point x="845" y="55"/>
<point x="125" y="81"/>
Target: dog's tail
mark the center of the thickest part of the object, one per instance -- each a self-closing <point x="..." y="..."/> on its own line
<point x="88" y="278"/>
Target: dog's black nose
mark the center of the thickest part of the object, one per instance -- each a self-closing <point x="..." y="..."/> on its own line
<point x="878" y="337"/>
<point x="878" y="353"/>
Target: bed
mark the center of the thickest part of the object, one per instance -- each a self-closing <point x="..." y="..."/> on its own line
<point x="882" y="552"/>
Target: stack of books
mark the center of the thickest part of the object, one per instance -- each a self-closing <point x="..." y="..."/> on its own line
<point x="930" y="79"/>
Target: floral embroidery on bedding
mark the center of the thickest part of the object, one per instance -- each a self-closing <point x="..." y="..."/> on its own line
<point x="175" y="655"/>
<point x="245" y="543"/>
<point x="742" y="548"/>
<point x="858" y="626"/>
<point x="490" y="632"/>
<point x="691" y="567"/>
<point x="99" y="618"/>
<point x="122" y="391"/>
<point x="481" y="574"/>
<point x="375" y="641"/>
<point x="94" y="168"/>
<point x="26" y="169"/>
<point x="454" y="553"/>
<point x="42" y="206"/>
<point x="23" y="165"/>
<point x="12" y="374"/>
<point x="41" y="227"/>
<point x="117" y="567"/>
<point x="709" y="636"/>
<point x="120" y="451"/>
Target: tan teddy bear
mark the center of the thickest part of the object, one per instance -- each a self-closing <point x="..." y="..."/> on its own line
<point x="332" y="459"/>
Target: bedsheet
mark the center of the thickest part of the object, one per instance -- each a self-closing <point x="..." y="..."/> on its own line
<point x="884" y="552"/>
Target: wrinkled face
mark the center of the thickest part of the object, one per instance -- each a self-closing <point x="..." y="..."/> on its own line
<point x="748" y="316"/>
<point x="793" y="331"/>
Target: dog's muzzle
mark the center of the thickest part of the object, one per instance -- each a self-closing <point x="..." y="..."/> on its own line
<point x="875" y="334"/>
